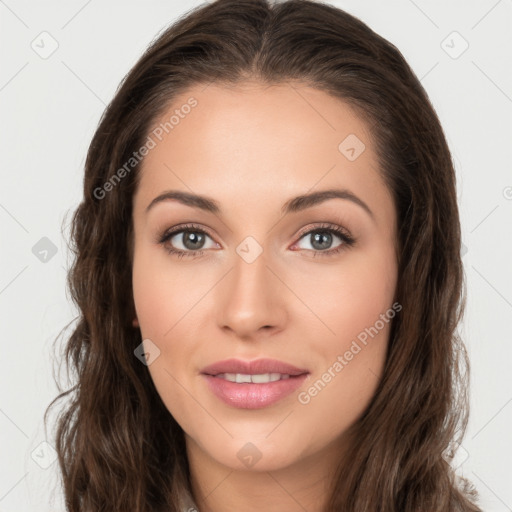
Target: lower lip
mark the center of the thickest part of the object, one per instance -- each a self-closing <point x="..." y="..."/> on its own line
<point x="253" y="396"/>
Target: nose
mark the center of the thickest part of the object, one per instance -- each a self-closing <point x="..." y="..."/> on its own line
<point x="251" y="300"/>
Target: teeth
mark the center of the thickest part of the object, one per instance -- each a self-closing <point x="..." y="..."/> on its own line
<point x="263" y="378"/>
<point x="240" y="377"/>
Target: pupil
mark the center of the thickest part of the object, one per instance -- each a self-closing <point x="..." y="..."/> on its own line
<point x="324" y="240"/>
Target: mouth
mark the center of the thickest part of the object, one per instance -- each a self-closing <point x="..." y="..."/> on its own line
<point x="253" y="384"/>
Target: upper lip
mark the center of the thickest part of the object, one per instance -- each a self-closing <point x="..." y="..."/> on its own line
<point x="256" y="367"/>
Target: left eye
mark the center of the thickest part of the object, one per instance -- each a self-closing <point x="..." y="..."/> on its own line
<point x="321" y="239"/>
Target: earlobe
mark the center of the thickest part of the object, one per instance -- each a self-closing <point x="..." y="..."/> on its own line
<point x="135" y="322"/>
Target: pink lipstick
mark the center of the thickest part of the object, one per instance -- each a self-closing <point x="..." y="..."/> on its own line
<point x="253" y="384"/>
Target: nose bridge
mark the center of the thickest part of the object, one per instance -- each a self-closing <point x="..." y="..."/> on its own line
<point x="251" y="295"/>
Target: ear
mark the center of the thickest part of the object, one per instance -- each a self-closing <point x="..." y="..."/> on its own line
<point x="135" y="322"/>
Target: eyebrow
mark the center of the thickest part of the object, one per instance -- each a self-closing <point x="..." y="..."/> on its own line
<point x="293" y="205"/>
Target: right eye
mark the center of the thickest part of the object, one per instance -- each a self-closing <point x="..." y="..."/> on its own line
<point x="191" y="238"/>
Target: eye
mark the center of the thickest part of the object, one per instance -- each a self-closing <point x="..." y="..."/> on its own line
<point x="188" y="240"/>
<point x="321" y="239"/>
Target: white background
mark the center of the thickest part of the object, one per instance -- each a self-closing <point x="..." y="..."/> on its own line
<point x="50" y="109"/>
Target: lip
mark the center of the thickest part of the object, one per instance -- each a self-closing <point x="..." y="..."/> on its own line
<point x="250" y="395"/>
<point x="256" y="367"/>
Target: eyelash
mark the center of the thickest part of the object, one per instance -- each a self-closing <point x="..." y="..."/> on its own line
<point x="347" y="239"/>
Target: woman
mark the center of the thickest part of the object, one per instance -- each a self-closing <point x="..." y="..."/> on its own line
<point x="269" y="278"/>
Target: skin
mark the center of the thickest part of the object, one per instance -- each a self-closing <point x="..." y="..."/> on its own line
<point x="252" y="147"/>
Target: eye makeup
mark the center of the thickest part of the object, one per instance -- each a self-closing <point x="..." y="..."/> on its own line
<point x="332" y="230"/>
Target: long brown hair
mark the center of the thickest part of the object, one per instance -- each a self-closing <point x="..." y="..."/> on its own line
<point x="119" y="447"/>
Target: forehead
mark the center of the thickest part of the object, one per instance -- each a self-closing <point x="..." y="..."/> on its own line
<point x="261" y="143"/>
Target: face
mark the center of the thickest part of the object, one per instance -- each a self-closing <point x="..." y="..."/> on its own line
<point x="246" y="272"/>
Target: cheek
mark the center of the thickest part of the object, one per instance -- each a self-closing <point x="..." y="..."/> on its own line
<point x="343" y="386"/>
<point x="356" y="305"/>
<point x="349" y="297"/>
<point x="158" y="294"/>
<point x="161" y="311"/>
